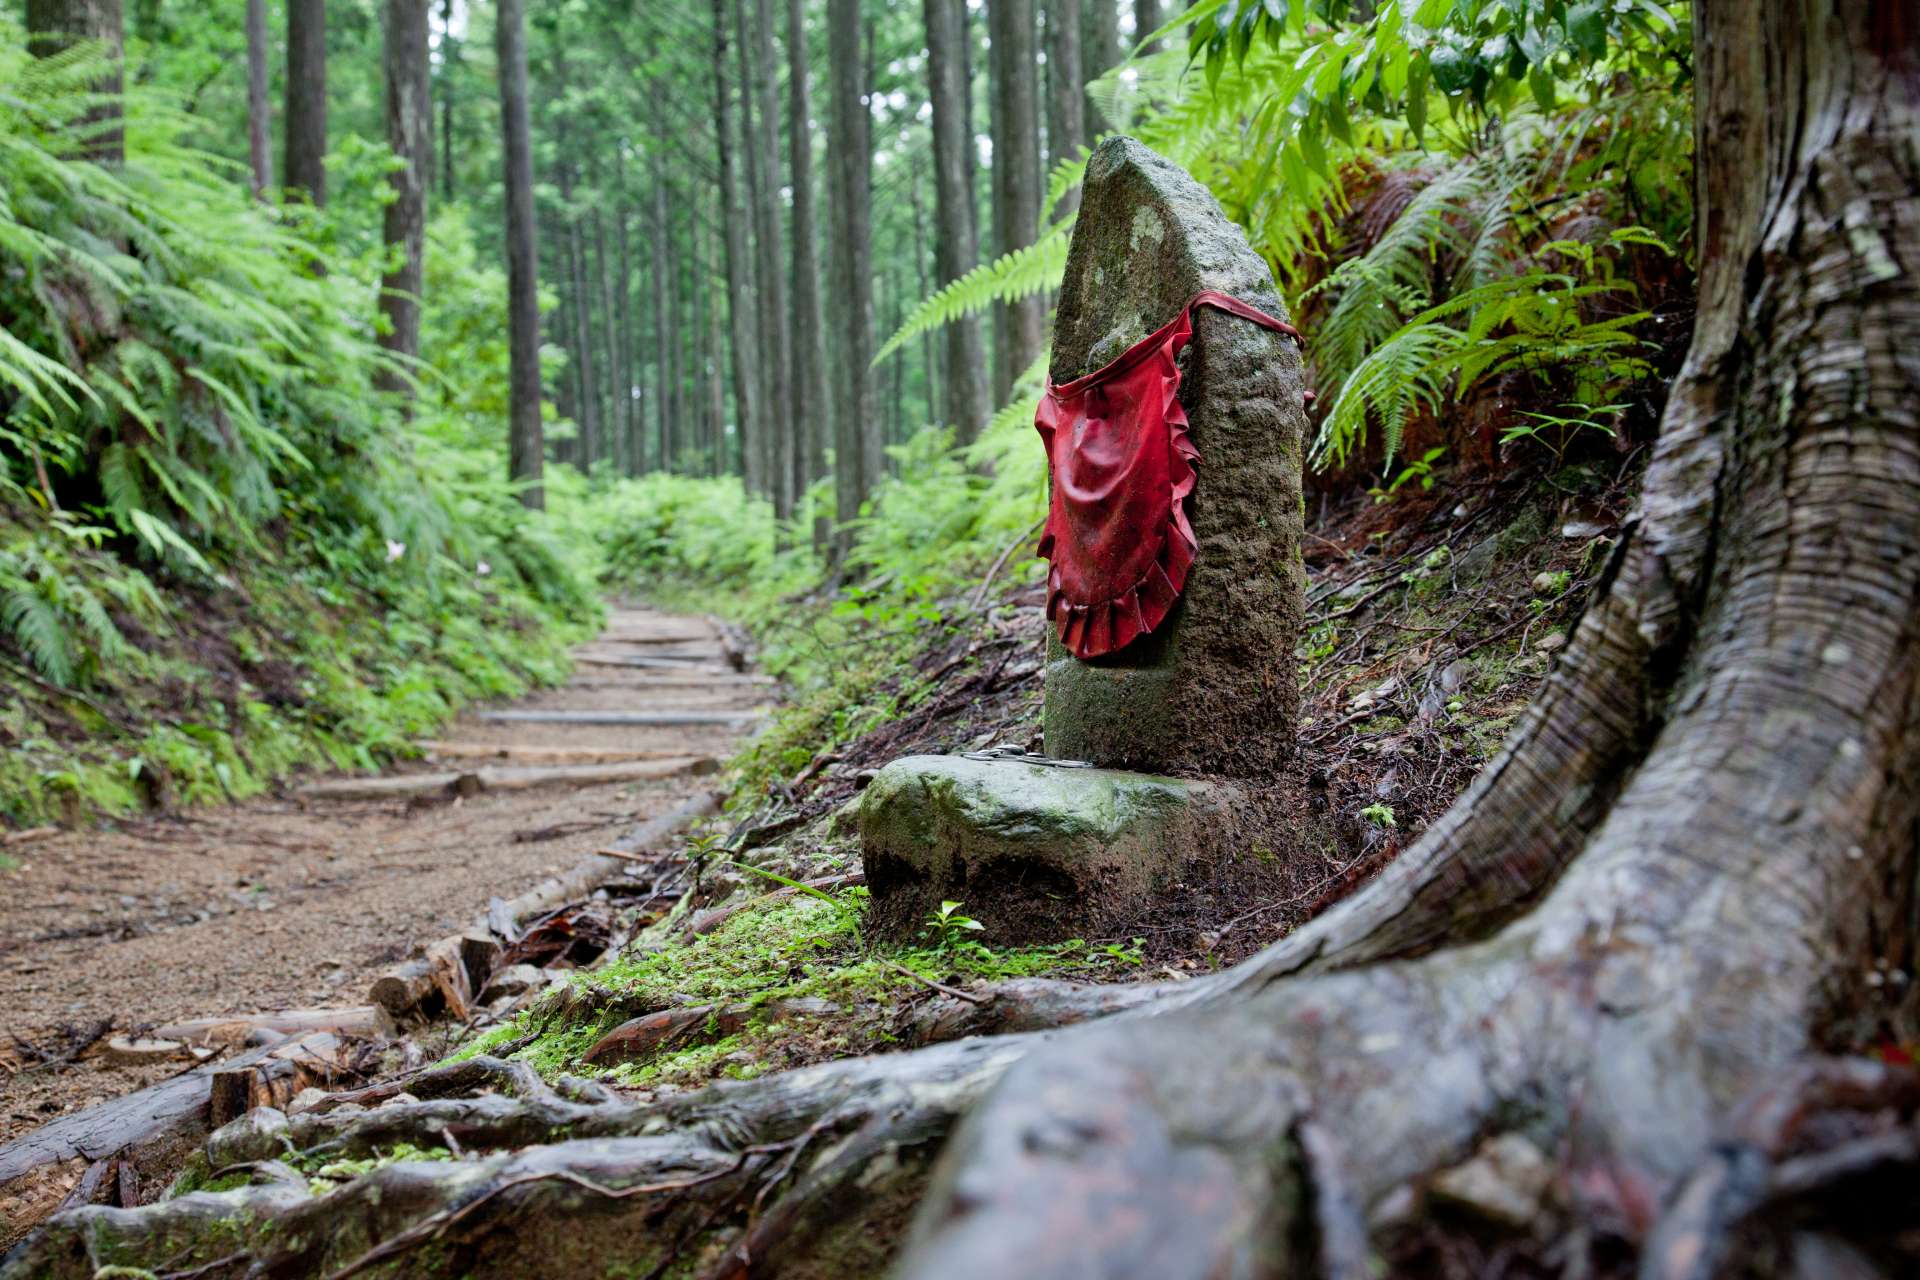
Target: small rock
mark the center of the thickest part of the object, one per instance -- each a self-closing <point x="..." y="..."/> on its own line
<point x="305" y="1100"/>
<point x="401" y="1099"/>
<point x="1550" y="642"/>
<point x="1505" y="1181"/>
<point x="1546" y="584"/>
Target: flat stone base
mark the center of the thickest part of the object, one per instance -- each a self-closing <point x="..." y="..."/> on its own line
<point x="1035" y="853"/>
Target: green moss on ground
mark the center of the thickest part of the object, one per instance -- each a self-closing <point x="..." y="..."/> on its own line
<point x="774" y="950"/>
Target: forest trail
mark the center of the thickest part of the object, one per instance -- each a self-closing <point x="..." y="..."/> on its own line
<point x="301" y="899"/>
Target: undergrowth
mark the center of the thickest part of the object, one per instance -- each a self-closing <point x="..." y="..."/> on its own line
<point x="772" y="952"/>
<point x="223" y="552"/>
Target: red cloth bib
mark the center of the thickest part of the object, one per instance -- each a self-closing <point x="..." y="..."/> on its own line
<point x="1122" y="466"/>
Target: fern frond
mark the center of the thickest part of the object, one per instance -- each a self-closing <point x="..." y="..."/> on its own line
<point x="1016" y="275"/>
<point x="36" y="625"/>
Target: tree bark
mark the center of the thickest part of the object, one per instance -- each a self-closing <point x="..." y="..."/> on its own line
<point x="717" y="462"/>
<point x="632" y="401"/>
<point x="449" y="68"/>
<point x="850" y="155"/>
<point x="1099" y="54"/>
<point x="525" y="446"/>
<point x="775" y="333"/>
<point x="956" y="242"/>
<point x="669" y="368"/>
<point x="741" y="321"/>
<point x="410" y="135"/>
<point x="1146" y="20"/>
<point x="809" y="353"/>
<point x="1066" y="93"/>
<point x="1627" y="947"/>
<point x="618" y="389"/>
<point x="306" y="143"/>
<point x="58" y="24"/>
<point x="1014" y="71"/>
<point x="929" y="362"/>
<point x="259" y="105"/>
<point x="588" y="386"/>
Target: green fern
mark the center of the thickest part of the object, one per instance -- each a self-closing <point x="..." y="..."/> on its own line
<point x="37" y="627"/>
<point x="1019" y="274"/>
<point x="1529" y="323"/>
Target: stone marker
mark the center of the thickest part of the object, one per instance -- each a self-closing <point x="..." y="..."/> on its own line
<point x="1214" y="691"/>
<point x="1035" y="852"/>
<point x="1039" y="853"/>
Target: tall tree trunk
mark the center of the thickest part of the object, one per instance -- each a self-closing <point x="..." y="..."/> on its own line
<point x="410" y="135"/>
<point x="809" y="354"/>
<point x="1013" y="68"/>
<point x="748" y="151"/>
<point x="525" y="445"/>
<point x="1066" y="92"/>
<point x="1099" y="54"/>
<point x="617" y="396"/>
<point x="956" y="241"/>
<point x="720" y="460"/>
<point x="1146" y="21"/>
<point x="775" y="333"/>
<point x="259" y="105"/>
<point x="741" y="321"/>
<point x="449" y="69"/>
<point x="306" y="120"/>
<point x="577" y="300"/>
<point x="58" y="24"/>
<point x="850" y="159"/>
<point x="928" y="362"/>
<point x="669" y="364"/>
<point x="632" y="445"/>
<point x="897" y="406"/>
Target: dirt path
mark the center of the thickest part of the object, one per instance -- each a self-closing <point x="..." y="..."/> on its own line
<point x="300" y="900"/>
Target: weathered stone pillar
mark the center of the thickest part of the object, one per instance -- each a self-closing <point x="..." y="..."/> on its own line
<point x="1214" y="690"/>
<point x="1037" y="852"/>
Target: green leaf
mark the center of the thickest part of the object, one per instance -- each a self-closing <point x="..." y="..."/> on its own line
<point x="1295" y="173"/>
<point x="1417" y="102"/>
<point x="1541" y="82"/>
<point x="1453" y="68"/>
<point x="1314" y="148"/>
<point x="1587" y="29"/>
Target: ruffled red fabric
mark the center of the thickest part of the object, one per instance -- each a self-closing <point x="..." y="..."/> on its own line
<point x="1122" y="465"/>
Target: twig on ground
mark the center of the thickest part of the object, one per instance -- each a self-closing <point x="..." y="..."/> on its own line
<point x="941" y="987"/>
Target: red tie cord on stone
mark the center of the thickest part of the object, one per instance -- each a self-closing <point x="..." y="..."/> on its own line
<point x="1122" y="465"/>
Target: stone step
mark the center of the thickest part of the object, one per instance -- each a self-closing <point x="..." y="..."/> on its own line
<point x="509" y="778"/>
<point x="664" y="719"/>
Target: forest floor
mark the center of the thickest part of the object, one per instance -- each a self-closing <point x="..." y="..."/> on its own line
<point x="300" y="900"/>
<point x="738" y="948"/>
